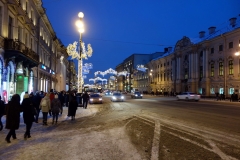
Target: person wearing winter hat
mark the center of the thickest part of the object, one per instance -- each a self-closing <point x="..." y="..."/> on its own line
<point x="28" y="114"/>
<point x="55" y="108"/>
<point x="45" y="106"/>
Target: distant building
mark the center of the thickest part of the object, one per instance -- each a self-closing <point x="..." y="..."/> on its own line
<point x="207" y="65"/>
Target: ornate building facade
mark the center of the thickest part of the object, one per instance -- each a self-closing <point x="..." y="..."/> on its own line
<point x="207" y="65"/>
<point x="29" y="49"/>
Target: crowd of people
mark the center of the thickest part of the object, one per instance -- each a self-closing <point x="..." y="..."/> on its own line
<point x="32" y="104"/>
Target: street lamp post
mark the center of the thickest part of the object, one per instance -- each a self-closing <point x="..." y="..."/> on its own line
<point x="80" y="30"/>
<point x="83" y="53"/>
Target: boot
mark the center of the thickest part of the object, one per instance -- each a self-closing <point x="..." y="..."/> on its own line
<point x="25" y="136"/>
<point x="8" y="140"/>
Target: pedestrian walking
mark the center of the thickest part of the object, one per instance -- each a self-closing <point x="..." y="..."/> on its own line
<point x="13" y="110"/>
<point x="85" y="98"/>
<point x="45" y="106"/>
<point x="37" y="100"/>
<point x="2" y="112"/>
<point x="55" y="108"/>
<point x="61" y="98"/>
<point x="28" y="113"/>
<point x="73" y="107"/>
<point x="51" y="96"/>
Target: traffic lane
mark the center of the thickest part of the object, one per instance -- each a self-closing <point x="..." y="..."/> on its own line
<point x="224" y="118"/>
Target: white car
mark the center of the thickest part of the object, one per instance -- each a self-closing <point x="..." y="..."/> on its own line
<point x="188" y="96"/>
<point x="117" y="97"/>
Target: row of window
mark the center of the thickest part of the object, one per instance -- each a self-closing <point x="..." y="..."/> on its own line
<point x="164" y="64"/>
<point x="220" y="47"/>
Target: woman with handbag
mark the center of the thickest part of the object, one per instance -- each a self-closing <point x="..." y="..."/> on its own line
<point x="45" y="106"/>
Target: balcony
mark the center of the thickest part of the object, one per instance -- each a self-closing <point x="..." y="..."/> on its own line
<point x="19" y="51"/>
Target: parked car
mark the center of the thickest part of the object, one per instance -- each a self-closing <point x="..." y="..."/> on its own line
<point x="95" y="98"/>
<point x="136" y="94"/>
<point x="188" y="96"/>
<point x="117" y="97"/>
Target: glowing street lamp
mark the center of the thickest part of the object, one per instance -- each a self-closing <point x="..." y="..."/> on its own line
<point x="83" y="53"/>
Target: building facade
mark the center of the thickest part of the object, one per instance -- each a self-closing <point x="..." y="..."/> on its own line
<point x="29" y="49"/>
<point x="206" y="65"/>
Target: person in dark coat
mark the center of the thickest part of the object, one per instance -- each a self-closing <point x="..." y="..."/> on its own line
<point x="2" y="110"/>
<point x="28" y="114"/>
<point x="13" y="110"/>
<point x="72" y="107"/>
<point x="36" y="101"/>
<point x="61" y="99"/>
<point x="55" y="108"/>
<point x="85" y="98"/>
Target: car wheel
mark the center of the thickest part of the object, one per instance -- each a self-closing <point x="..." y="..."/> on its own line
<point x="196" y="100"/>
<point x="187" y="99"/>
<point x="178" y="99"/>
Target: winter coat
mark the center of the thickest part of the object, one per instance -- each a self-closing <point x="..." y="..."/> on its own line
<point x="45" y="108"/>
<point x="51" y="96"/>
<point x="73" y="107"/>
<point x="85" y="97"/>
<point x="13" y="110"/>
<point x="56" y="106"/>
<point x="28" y="110"/>
<point x="37" y="100"/>
<point x="2" y="108"/>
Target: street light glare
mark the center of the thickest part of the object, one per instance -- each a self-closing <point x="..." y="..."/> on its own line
<point x="79" y="24"/>
<point x="81" y="30"/>
<point x="80" y="15"/>
<point x="237" y="54"/>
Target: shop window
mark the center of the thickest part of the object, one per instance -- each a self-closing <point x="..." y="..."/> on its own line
<point x="231" y="90"/>
<point x="212" y="90"/>
<point x="221" y="90"/>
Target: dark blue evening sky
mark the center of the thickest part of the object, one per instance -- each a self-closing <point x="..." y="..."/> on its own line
<point x="117" y="29"/>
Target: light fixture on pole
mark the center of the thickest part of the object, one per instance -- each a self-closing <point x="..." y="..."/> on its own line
<point x="80" y="30"/>
<point x="83" y="53"/>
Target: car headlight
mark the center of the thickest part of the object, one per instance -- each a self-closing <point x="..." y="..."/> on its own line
<point x="122" y="97"/>
<point x="136" y="95"/>
<point x="100" y="99"/>
<point x="141" y="94"/>
<point x="114" y="97"/>
<point x="91" y="99"/>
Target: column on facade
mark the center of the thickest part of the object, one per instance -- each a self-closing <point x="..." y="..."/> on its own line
<point x="204" y="63"/>
<point x="177" y="68"/>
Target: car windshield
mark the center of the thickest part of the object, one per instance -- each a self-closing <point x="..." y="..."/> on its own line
<point x="117" y="94"/>
<point x="137" y="93"/>
<point x="95" y="95"/>
<point x="191" y="93"/>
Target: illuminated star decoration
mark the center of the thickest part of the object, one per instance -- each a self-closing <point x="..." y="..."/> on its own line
<point x="72" y="51"/>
